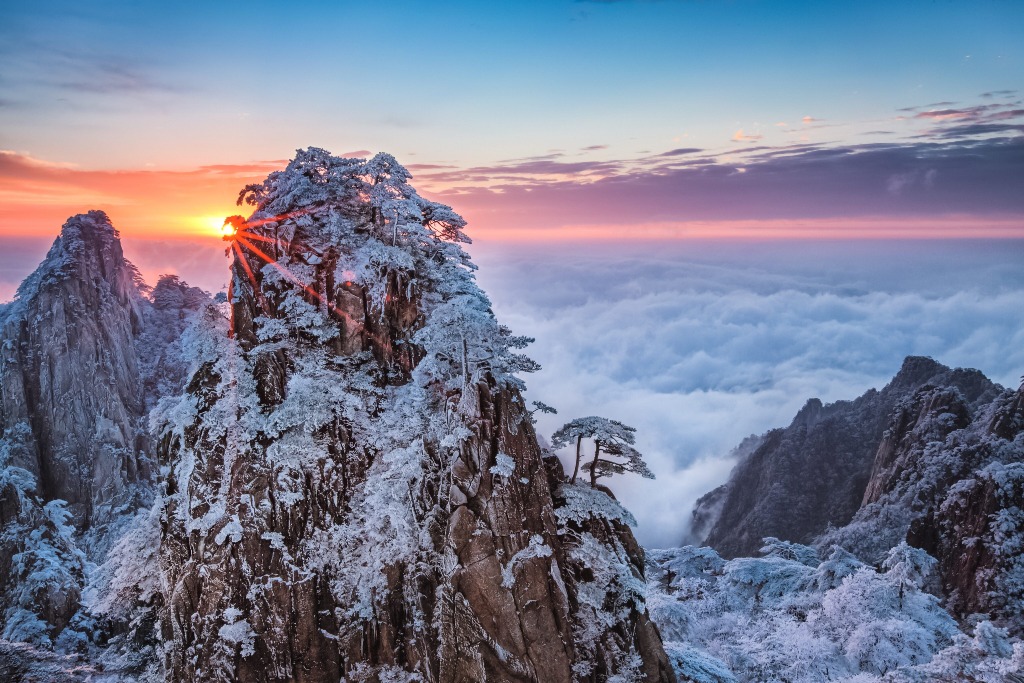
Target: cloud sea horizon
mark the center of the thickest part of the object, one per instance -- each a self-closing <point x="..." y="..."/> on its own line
<point x="700" y="343"/>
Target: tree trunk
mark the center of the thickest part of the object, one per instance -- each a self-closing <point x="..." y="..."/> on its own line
<point x="593" y="466"/>
<point x="576" y="470"/>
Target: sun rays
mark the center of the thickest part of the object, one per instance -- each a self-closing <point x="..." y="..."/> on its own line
<point x="238" y="232"/>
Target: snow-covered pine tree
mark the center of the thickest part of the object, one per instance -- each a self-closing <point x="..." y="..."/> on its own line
<point x="611" y="438"/>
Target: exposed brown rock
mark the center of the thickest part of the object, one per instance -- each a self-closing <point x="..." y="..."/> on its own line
<point x="264" y="584"/>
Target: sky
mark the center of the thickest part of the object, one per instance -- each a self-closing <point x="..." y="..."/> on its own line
<point x="537" y="119"/>
<point x="706" y="211"/>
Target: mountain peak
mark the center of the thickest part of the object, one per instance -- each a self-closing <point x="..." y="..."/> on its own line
<point x="362" y="370"/>
<point x="809" y="414"/>
<point x="91" y="225"/>
<point x="917" y="370"/>
<point x="86" y="253"/>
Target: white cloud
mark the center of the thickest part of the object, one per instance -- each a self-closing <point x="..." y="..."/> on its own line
<point x="699" y="346"/>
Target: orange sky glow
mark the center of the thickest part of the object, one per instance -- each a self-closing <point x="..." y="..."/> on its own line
<point x="37" y="197"/>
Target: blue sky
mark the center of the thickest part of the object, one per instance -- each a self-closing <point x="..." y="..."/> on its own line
<point x="122" y="85"/>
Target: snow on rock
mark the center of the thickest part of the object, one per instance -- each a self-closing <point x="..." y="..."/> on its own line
<point x="802" y="480"/>
<point x="776" y="618"/>
<point x="353" y="469"/>
<point x="86" y="348"/>
<point x="934" y="460"/>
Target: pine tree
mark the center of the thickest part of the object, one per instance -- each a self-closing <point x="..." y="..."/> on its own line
<point x="612" y="439"/>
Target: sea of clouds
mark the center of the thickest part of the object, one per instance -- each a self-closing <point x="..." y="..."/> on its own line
<point x="698" y="344"/>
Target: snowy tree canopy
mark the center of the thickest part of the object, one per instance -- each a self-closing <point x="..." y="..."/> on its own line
<point x="789" y="617"/>
<point x="611" y="438"/>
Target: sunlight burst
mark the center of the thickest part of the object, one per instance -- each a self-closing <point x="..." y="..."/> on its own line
<point x="212" y="225"/>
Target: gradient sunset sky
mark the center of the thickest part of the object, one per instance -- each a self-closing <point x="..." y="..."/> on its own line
<point x="536" y="120"/>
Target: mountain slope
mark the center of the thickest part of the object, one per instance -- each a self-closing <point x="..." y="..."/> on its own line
<point x="83" y="351"/>
<point x="935" y="459"/>
<point x="948" y="477"/>
<point x="814" y="473"/>
<point x="70" y="372"/>
<point x="73" y="457"/>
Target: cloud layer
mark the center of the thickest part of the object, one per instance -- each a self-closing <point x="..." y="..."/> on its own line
<point x="700" y="345"/>
<point x="976" y="178"/>
<point x="936" y="162"/>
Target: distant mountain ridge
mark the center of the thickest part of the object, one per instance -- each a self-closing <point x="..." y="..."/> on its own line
<point x="934" y="458"/>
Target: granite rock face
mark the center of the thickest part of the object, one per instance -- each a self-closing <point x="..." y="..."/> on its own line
<point x="70" y="373"/>
<point x="85" y="351"/>
<point x="965" y="492"/>
<point x="935" y="459"/>
<point x="816" y="472"/>
<point x="355" y="489"/>
<point x="330" y="476"/>
<point x="74" y="458"/>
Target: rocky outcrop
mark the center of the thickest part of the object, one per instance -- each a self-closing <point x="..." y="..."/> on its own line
<point x="708" y="508"/>
<point x="929" y="416"/>
<point x="84" y="356"/>
<point x="355" y="489"/>
<point x="816" y="473"/>
<point x="973" y="521"/>
<point x="169" y="311"/>
<point x="946" y="474"/>
<point x="73" y="454"/>
<point x="932" y="456"/>
<point x="70" y="373"/>
<point x="22" y="662"/>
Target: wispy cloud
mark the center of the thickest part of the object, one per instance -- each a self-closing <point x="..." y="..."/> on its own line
<point x="680" y="152"/>
<point x="88" y="70"/>
<point x="967" y="162"/>
<point x="108" y="76"/>
<point x="940" y="169"/>
<point x="740" y="136"/>
<point x="934" y="178"/>
<point x="998" y="93"/>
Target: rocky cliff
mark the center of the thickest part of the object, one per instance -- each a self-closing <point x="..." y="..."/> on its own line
<point x="330" y="476"/>
<point x="85" y="349"/>
<point x="74" y="457"/>
<point x="70" y="373"/>
<point x="814" y="474"/>
<point x="949" y="478"/>
<point x="355" y="490"/>
<point x="934" y="459"/>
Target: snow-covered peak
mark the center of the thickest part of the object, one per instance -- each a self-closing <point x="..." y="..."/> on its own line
<point x="87" y="253"/>
<point x="345" y="252"/>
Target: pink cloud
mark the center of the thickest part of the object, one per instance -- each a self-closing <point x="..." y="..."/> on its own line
<point x="740" y="136"/>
